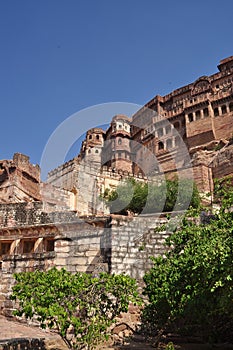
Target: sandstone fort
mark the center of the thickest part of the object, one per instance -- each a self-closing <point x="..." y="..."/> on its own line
<point x="63" y="222"/>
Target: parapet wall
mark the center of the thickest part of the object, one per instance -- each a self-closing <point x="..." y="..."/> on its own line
<point x="31" y="214"/>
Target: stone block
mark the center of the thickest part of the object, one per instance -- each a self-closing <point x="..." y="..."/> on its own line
<point x="64" y="249"/>
<point x="81" y="268"/>
<point x="60" y="262"/>
<point x="78" y="261"/>
<point x="92" y="253"/>
<point x="82" y="248"/>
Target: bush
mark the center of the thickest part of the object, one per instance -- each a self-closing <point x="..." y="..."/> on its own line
<point x="79" y="307"/>
<point x="192" y="286"/>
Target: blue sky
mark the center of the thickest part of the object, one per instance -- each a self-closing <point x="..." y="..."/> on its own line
<point x="60" y="56"/>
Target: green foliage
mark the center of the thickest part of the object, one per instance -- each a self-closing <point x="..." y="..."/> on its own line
<point x="170" y="346"/>
<point x="193" y="284"/>
<point x="78" y="306"/>
<point x="150" y="198"/>
<point x="131" y="195"/>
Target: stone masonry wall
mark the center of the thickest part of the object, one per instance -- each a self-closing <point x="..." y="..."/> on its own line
<point x="133" y="241"/>
<point x="19" y="263"/>
<point x="81" y="249"/>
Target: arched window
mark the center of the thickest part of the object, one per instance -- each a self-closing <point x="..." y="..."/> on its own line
<point x="216" y="112"/>
<point x="90" y="137"/>
<point x="190" y="116"/>
<point x="224" y="109"/>
<point x="97" y="137"/>
<point x="96" y="151"/>
<point x="119" y="141"/>
<point x="89" y="151"/>
<point x="161" y="146"/>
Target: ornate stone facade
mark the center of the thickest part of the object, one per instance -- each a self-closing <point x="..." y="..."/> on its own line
<point x="177" y="134"/>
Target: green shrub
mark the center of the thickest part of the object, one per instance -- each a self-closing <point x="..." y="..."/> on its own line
<point x="79" y="307"/>
<point x="193" y="284"/>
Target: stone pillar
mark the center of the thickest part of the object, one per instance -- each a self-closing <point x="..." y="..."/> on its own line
<point x="186" y="118"/>
<point x="173" y="142"/>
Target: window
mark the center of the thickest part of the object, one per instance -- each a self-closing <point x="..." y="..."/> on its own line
<point x="28" y="246"/>
<point x="120" y="126"/>
<point x="169" y="144"/>
<point x="119" y="141"/>
<point x="5" y="248"/>
<point x="177" y="141"/>
<point x="198" y="115"/>
<point x="190" y="116"/>
<point x="160" y="132"/>
<point x="224" y="109"/>
<point x="89" y="151"/>
<point x="176" y="125"/>
<point x="216" y="112"/>
<point x="49" y="245"/>
<point x="168" y="129"/>
<point x="97" y="137"/>
<point x="231" y="107"/>
<point x="161" y="146"/>
<point x="96" y="151"/>
<point x="206" y="112"/>
<point x="90" y="137"/>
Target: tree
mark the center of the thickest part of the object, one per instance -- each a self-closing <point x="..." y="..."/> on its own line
<point x="130" y="195"/>
<point x="79" y="306"/>
<point x="140" y="197"/>
<point x="192" y="286"/>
